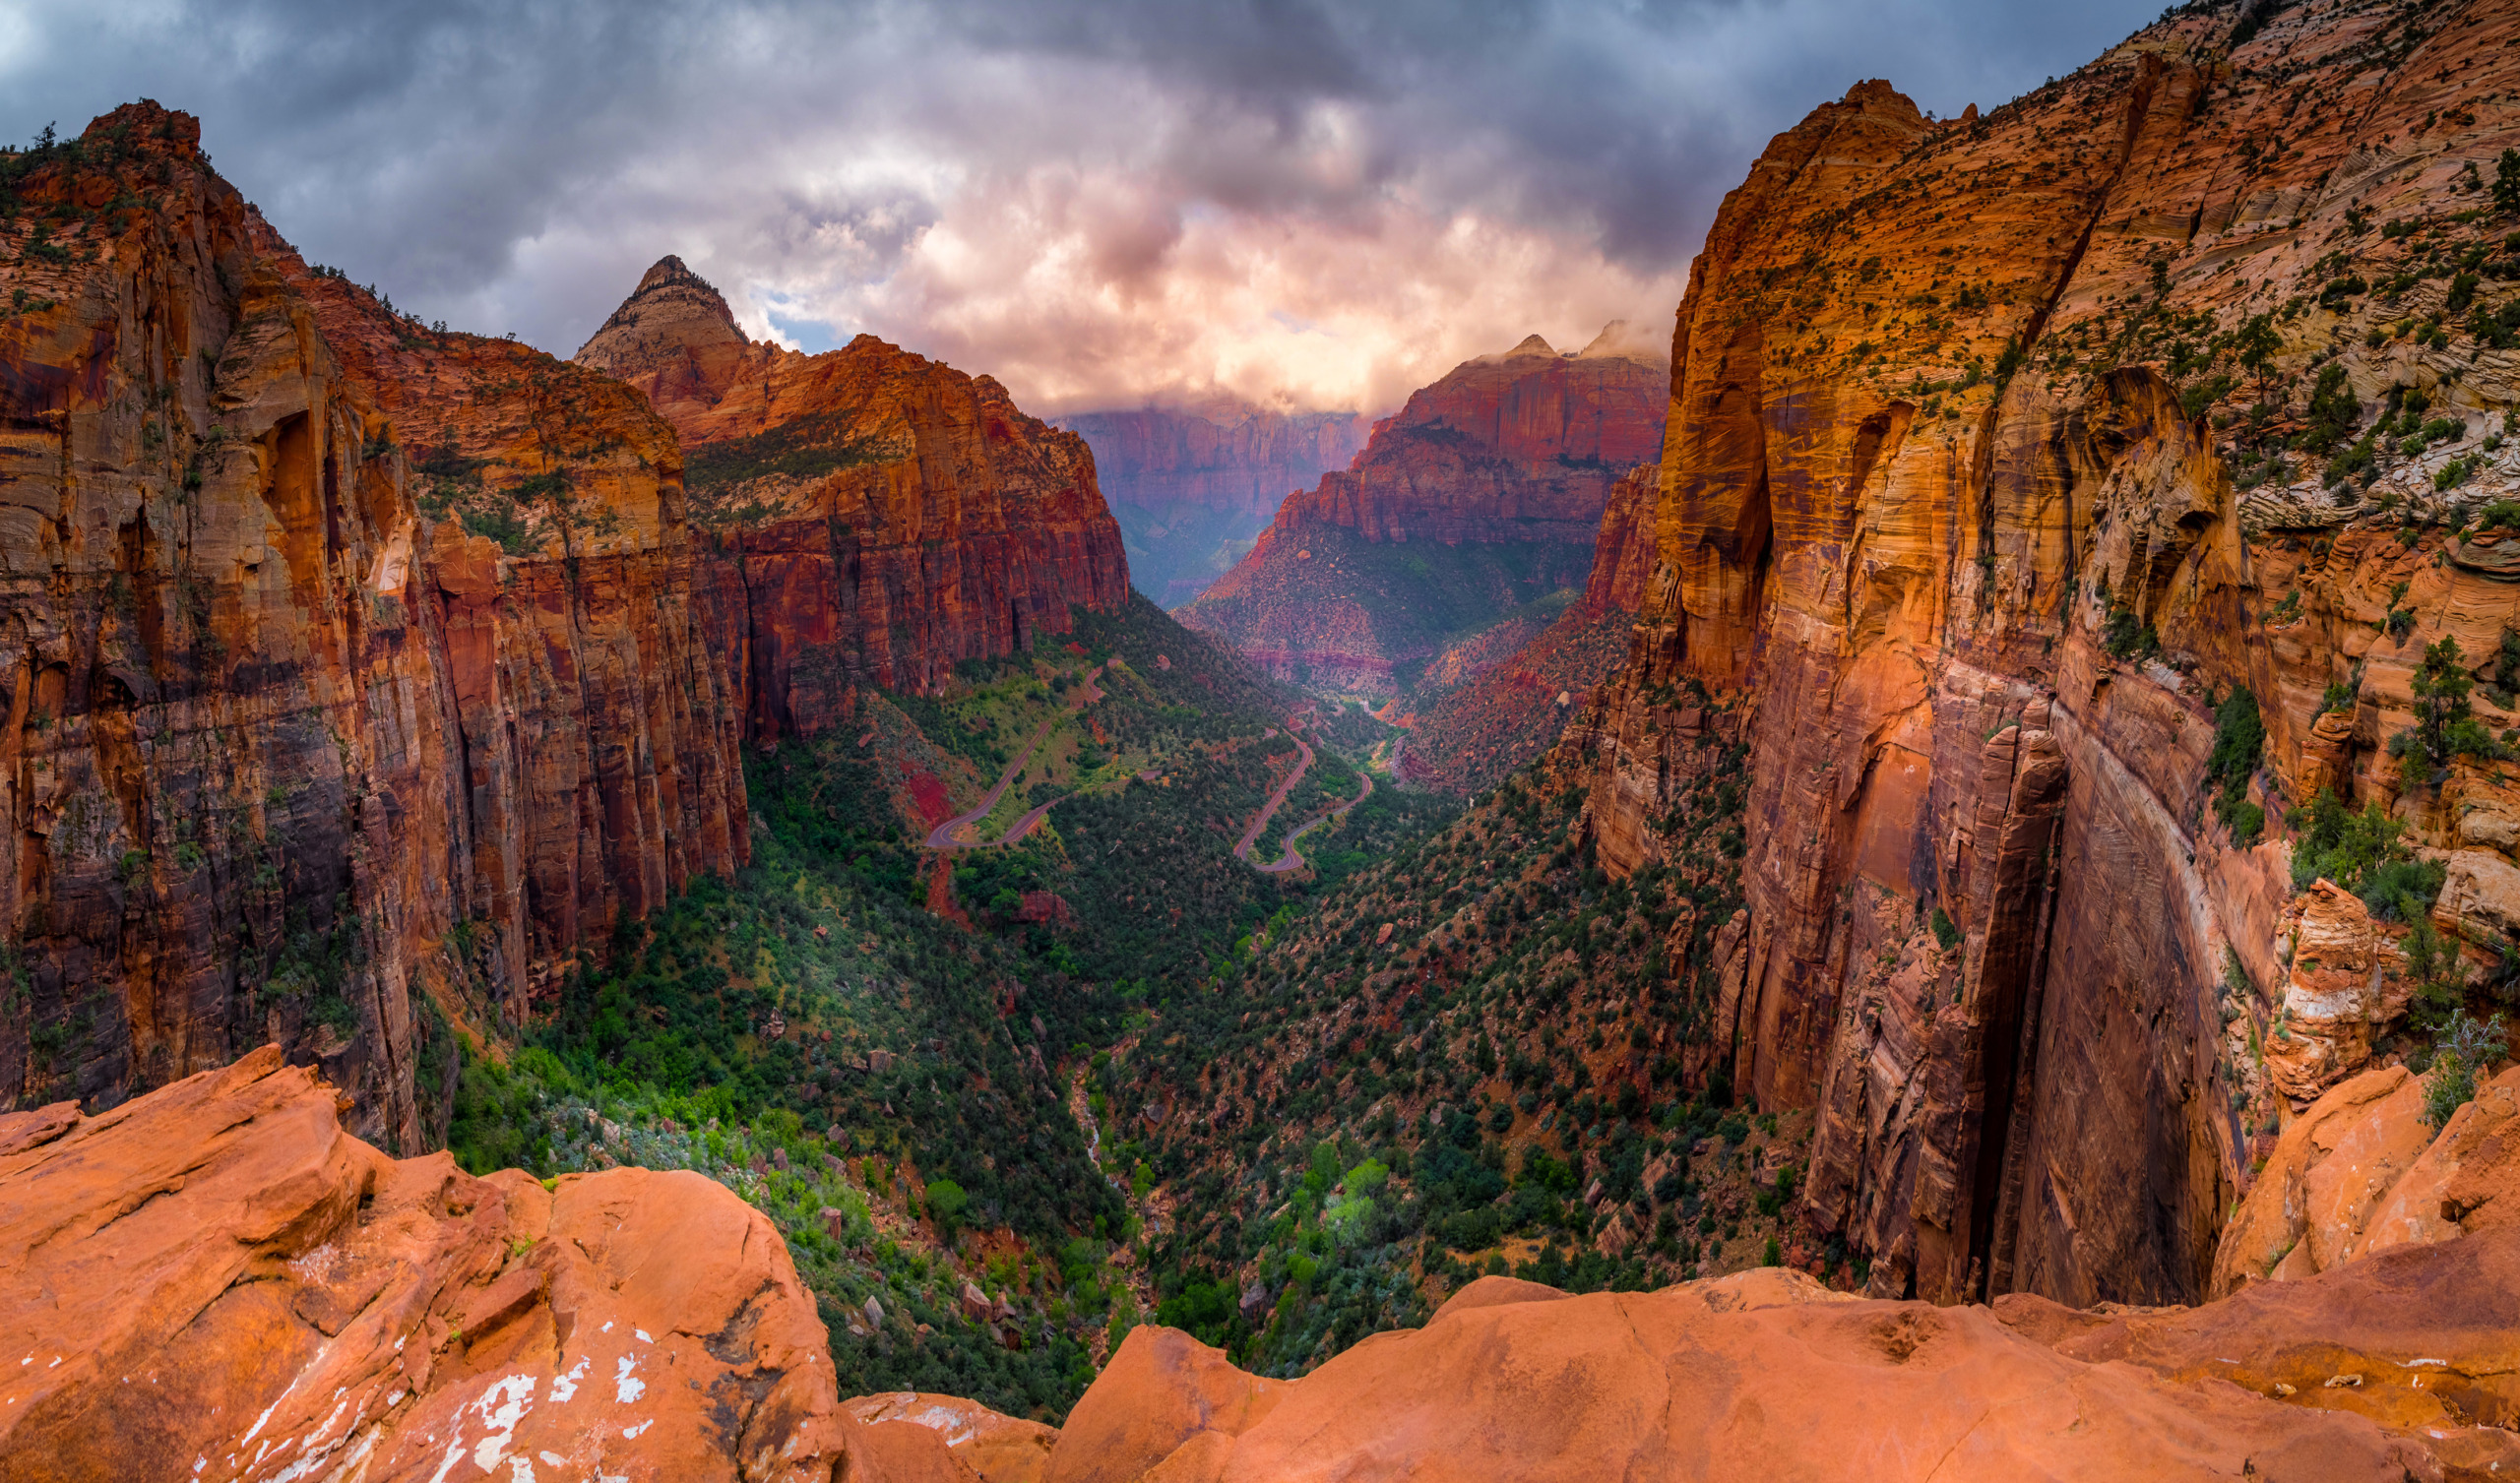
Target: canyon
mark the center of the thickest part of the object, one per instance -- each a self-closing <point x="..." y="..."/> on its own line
<point x="1192" y="485"/>
<point x="1484" y="493"/>
<point x="1967" y="830"/>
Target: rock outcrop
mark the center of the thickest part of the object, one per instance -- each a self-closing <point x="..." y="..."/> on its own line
<point x="216" y="1282"/>
<point x="598" y="734"/>
<point x="2360" y="1172"/>
<point x="875" y="516"/>
<point x="1193" y="485"/>
<point x="1485" y="492"/>
<point x="2001" y="451"/>
<point x="1767" y="1374"/>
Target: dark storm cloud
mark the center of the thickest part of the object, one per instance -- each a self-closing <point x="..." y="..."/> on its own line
<point x="1316" y="202"/>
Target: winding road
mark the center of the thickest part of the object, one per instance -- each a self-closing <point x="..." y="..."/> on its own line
<point x="944" y="835"/>
<point x="1250" y="836"/>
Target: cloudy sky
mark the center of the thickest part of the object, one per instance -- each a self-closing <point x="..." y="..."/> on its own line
<point x="1317" y="202"/>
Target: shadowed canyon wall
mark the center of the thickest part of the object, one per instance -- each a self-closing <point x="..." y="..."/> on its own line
<point x="875" y="516"/>
<point x="284" y="749"/>
<point x="1485" y="492"/>
<point x="2001" y="451"/>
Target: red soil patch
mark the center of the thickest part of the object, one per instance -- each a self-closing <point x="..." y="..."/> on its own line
<point x="927" y="790"/>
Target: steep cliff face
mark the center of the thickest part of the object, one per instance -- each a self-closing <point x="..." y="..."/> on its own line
<point x="875" y="516"/>
<point x="1191" y="486"/>
<point x="2000" y="452"/>
<point x="224" y="720"/>
<point x="283" y="732"/>
<point x="597" y="733"/>
<point x="1486" y="491"/>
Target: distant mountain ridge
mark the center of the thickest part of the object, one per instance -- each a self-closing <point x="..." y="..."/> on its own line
<point x="1481" y="494"/>
<point x="1192" y="485"/>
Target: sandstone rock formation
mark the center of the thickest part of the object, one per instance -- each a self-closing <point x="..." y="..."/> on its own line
<point x="1192" y="485"/>
<point x="289" y="741"/>
<point x="1999" y="452"/>
<point x="1486" y="491"/>
<point x="598" y="734"/>
<point x="877" y="517"/>
<point x="216" y="1282"/>
<point x="2360" y="1172"/>
<point x="1767" y="1374"/>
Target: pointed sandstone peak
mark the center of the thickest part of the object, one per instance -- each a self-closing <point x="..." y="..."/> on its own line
<point x="673" y="339"/>
<point x="1533" y="344"/>
<point x="672" y="311"/>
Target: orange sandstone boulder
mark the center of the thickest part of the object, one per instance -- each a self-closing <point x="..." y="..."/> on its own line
<point x="998" y="1448"/>
<point x="214" y="1282"/>
<point x="1163" y="1394"/>
<point x="1769" y="1375"/>
<point x="2360" y="1172"/>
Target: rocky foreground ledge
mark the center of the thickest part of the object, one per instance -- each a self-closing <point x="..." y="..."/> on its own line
<point x="216" y="1282"/>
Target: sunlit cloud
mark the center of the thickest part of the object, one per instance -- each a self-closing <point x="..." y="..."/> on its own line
<point x="1308" y="205"/>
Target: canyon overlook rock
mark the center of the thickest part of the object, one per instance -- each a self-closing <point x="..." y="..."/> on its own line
<point x="1486" y="491"/>
<point x="874" y="516"/>
<point x="214" y="1282"/>
<point x="2003" y="455"/>
<point x="217" y="1272"/>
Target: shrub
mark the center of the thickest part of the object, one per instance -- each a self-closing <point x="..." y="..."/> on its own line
<point x="2462" y="1049"/>
<point x="2239" y="741"/>
<point x="1944" y="931"/>
<point x="2127" y="637"/>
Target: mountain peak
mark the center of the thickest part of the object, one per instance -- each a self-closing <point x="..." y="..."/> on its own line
<point x="1533" y="344"/>
<point x="673" y="312"/>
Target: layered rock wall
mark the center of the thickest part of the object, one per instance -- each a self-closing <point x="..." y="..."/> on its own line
<point x="1237" y="461"/>
<point x="290" y="744"/>
<point x="874" y="516"/>
<point x="1997" y="459"/>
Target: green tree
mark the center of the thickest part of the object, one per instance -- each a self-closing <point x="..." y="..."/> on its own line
<point x="946" y="1202"/>
<point x="2506" y="181"/>
<point x="2441" y="686"/>
<point x="2463" y="1048"/>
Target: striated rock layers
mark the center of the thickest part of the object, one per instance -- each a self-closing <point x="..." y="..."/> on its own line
<point x="1192" y="485"/>
<point x="214" y="1282"/>
<point x="2001" y="451"/>
<point x="875" y="516"/>
<point x="274" y="737"/>
<point x="1485" y="492"/>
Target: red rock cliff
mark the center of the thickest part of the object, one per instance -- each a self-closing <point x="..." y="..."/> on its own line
<point x="1998" y="452"/>
<point x="1514" y="455"/>
<point x="876" y="516"/>
<point x="280" y="734"/>
<point x="598" y="736"/>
